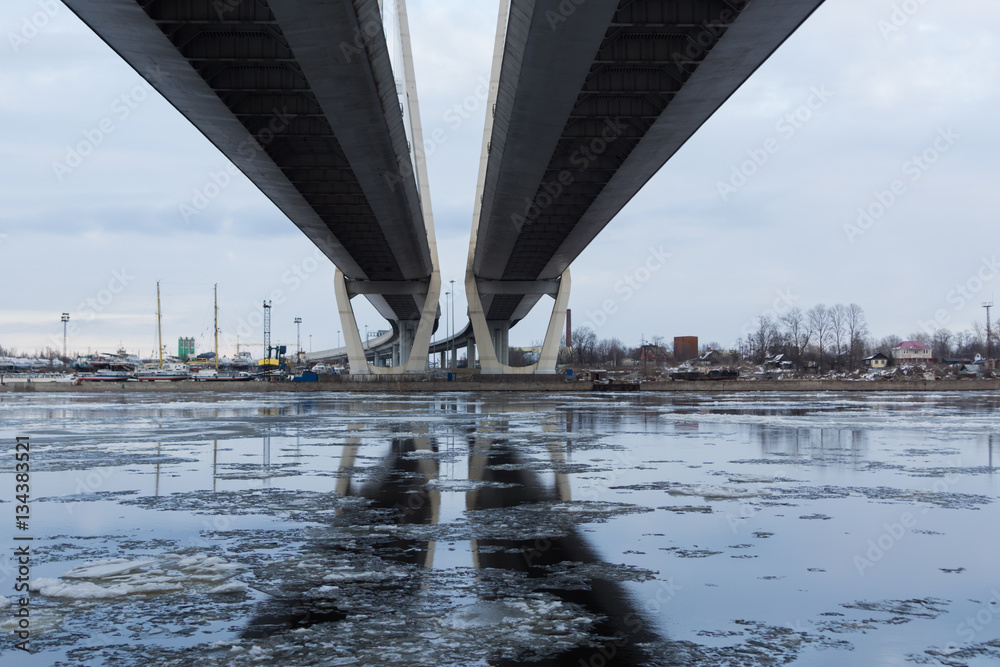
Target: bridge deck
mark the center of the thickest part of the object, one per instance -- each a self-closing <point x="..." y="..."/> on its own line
<point x="590" y="105"/>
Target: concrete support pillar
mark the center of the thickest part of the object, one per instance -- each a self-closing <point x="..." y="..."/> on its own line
<point x="470" y="353"/>
<point x="549" y="357"/>
<point x="407" y="335"/>
<point x="492" y="335"/>
<point x="352" y="337"/>
<point x="500" y="336"/>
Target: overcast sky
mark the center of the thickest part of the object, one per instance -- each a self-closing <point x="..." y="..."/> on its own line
<point x="866" y="108"/>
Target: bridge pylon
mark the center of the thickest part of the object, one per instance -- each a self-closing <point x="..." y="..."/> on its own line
<point x="413" y="336"/>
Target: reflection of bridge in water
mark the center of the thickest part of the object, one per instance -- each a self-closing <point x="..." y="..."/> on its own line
<point x="397" y="523"/>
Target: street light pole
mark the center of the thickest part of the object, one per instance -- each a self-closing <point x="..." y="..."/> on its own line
<point x="447" y="326"/>
<point x="64" y="319"/>
<point x="298" y="335"/>
<point x="310" y="343"/>
<point x="989" y="340"/>
<point x="454" y="356"/>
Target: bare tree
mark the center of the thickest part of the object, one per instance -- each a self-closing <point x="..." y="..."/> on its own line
<point x="888" y="344"/>
<point x="941" y="344"/>
<point x="818" y="319"/>
<point x="762" y="340"/>
<point x="857" y="331"/>
<point x="838" y="328"/>
<point x="616" y="351"/>
<point x="585" y="341"/>
<point x="797" y="333"/>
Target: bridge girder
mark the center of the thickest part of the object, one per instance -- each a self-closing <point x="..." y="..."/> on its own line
<point x="588" y="106"/>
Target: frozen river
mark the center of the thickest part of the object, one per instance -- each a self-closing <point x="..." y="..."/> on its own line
<point x="492" y="529"/>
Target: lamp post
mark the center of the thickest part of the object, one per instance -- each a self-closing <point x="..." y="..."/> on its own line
<point x="447" y="325"/>
<point x="454" y="356"/>
<point x="989" y="339"/>
<point x="298" y="335"/>
<point x="338" y="338"/>
<point x="64" y="319"/>
<point x="310" y="343"/>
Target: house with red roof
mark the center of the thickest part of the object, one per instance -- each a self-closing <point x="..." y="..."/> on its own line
<point x="911" y="351"/>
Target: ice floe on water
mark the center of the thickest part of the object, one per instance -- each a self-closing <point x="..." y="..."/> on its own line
<point x="706" y="491"/>
<point x="117" y="578"/>
<point x="465" y="485"/>
<point x="382" y="530"/>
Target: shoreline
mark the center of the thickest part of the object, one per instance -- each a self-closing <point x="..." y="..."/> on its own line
<point x="379" y="384"/>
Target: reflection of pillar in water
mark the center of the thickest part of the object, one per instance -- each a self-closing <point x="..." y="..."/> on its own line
<point x="157" y="492"/>
<point x="558" y="455"/>
<point x="266" y="460"/>
<point x="347" y="461"/>
<point x="534" y="556"/>
<point x="479" y="456"/>
<point x="346" y="464"/>
<point x="215" y="462"/>
<point x="429" y="469"/>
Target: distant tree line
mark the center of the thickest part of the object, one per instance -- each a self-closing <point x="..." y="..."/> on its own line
<point x="837" y="337"/>
<point x="831" y="337"/>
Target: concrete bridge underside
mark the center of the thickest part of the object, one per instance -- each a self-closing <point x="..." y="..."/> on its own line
<point x="301" y="96"/>
<point x="589" y="101"/>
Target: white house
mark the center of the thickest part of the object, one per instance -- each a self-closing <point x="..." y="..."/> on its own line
<point x="911" y="352"/>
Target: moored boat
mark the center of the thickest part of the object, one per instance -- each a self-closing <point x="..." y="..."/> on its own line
<point x="168" y="373"/>
<point x="104" y="376"/>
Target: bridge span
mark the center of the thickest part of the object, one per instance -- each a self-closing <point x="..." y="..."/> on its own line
<point x="589" y="101"/>
<point x="316" y="102"/>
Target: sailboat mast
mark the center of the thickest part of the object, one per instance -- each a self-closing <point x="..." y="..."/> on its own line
<point x="159" y="322"/>
<point x="216" y="327"/>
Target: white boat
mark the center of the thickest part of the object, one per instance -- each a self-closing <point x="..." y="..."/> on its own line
<point x="104" y="376"/>
<point x="243" y="360"/>
<point x="171" y="372"/>
<point x="212" y="375"/>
